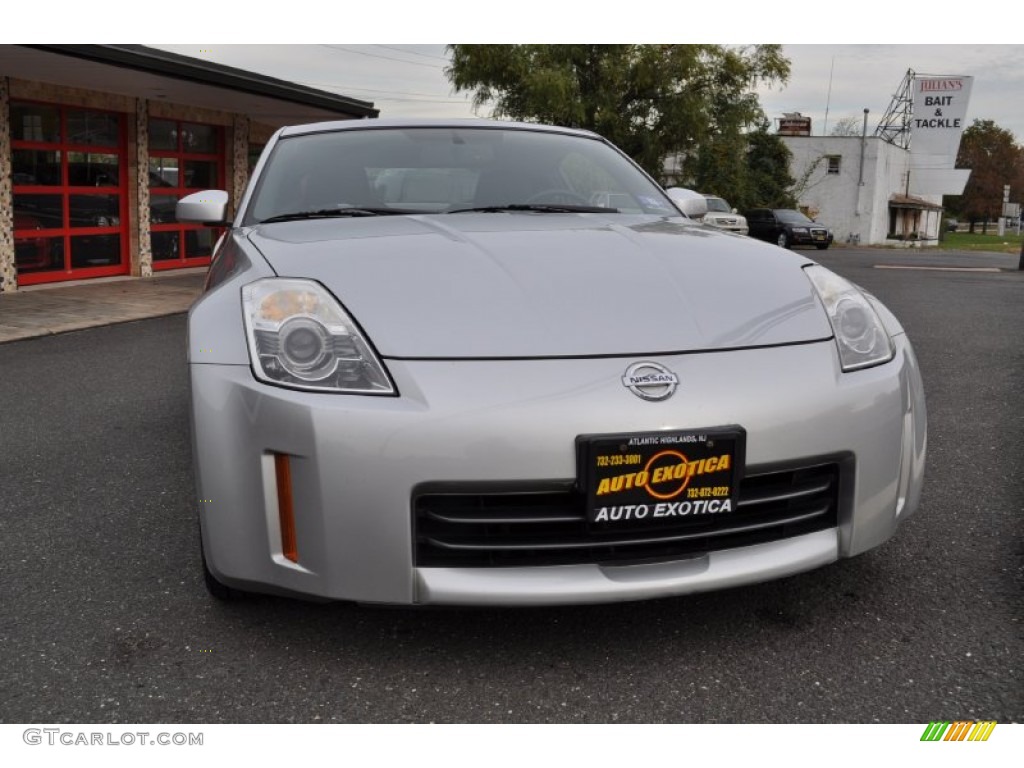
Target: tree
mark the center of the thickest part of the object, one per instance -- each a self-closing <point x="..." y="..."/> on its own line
<point x="851" y="125"/>
<point x="649" y="100"/>
<point x="769" y="183"/>
<point x="995" y="159"/>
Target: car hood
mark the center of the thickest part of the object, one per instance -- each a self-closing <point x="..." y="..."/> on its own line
<point x="492" y="285"/>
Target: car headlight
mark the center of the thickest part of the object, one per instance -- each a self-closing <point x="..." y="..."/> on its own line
<point x="800" y="229"/>
<point x="860" y="335"/>
<point x="301" y="337"/>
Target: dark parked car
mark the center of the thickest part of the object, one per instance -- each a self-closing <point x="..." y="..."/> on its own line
<point x="787" y="228"/>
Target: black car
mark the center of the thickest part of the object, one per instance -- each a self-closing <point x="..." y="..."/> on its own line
<point x="787" y="228"/>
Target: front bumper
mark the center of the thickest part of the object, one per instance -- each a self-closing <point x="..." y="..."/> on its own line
<point x="357" y="460"/>
<point x="727" y="225"/>
<point x="813" y="237"/>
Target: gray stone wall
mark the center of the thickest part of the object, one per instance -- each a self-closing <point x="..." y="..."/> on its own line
<point x="142" y="185"/>
<point x="240" y="160"/>
<point x="8" y="270"/>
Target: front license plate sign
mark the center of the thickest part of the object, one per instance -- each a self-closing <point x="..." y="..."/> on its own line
<point x="659" y="476"/>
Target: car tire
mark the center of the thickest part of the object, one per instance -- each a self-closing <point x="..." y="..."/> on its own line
<point x="220" y="591"/>
<point x="783" y="241"/>
<point x="821" y="246"/>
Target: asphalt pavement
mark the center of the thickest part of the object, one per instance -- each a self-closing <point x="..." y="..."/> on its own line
<point x="105" y="617"/>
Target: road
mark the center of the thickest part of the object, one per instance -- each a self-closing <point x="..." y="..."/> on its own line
<point x="105" y="618"/>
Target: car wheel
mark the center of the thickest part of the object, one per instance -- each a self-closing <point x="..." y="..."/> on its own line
<point x="821" y="246"/>
<point x="783" y="241"/>
<point x="214" y="587"/>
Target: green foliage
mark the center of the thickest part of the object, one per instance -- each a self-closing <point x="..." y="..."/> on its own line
<point x="995" y="159"/>
<point x="768" y="181"/>
<point x="1011" y="242"/>
<point x="652" y="101"/>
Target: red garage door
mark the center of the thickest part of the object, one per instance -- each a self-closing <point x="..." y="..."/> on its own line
<point x="183" y="158"/>
<point x="70" y="203"/>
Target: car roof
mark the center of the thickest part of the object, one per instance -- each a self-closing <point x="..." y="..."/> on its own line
<point x="373" y="123"/>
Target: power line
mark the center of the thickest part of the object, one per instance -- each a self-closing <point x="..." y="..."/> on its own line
<point x="434" y="101"/>
<point x="413" y="53"/>
<point x="343" y="88"/>
<point x="381" y="56"/>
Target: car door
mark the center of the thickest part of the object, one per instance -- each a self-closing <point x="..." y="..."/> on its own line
<point x="759" y="220"/>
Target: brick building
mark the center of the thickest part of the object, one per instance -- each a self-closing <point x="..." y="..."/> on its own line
<point x="98" y="142"/>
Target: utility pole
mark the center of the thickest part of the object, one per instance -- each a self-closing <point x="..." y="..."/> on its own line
<point x="1002" y="217"/>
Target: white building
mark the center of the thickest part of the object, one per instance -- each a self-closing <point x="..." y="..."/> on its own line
<point x="887" y="189"/>
<point x="862" y="188"/>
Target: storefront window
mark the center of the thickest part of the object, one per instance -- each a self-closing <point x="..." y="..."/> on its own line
<point x="163" y="135"/>
<point x="94" y="251"/>
<point x="95" y="210"/>
<point x="35" y="167"/>
<point x="163" y="172"/>
<point x="34" y="255"/>
<point x="199" y="139"/>
<point x="89" y="169"/>
<point x="97" y="129"/>
<point x="35" y="122"/>
<point x="200" y="174"/>
<point x="38" y="211"/>
<point x="165" y="246"/>
<point x="162" y="208"/>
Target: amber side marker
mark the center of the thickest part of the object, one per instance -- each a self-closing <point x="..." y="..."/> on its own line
<point x="285" y="507"/>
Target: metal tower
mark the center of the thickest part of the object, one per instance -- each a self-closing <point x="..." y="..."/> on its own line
<point x="894" y="127"/>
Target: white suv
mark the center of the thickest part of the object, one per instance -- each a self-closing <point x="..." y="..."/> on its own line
<point x="721" y="215"/>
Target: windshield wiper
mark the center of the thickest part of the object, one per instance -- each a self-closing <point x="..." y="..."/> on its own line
<point x="538" y="208"/>
<point x="330" y="213"/>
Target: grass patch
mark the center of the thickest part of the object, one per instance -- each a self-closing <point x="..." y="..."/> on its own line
<point x="965" y="241"/>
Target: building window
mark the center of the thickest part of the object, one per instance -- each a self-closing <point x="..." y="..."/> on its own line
<point x="255" y="150"/>
<point x="833" y="162"/>
<point x="69" y="181"/>
<point x="183" y="158"/>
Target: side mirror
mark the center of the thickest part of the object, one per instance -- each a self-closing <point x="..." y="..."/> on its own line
<point x="691" y="203"/>
<point x="207" y="207"/>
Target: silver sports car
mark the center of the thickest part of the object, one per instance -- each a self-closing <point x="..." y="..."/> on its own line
<point x="475" y="362"/>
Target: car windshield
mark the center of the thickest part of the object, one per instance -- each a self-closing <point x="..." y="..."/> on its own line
<point x="718" y="205"/>
<point x="792" y="217"/>
<point x="449" y="170"/>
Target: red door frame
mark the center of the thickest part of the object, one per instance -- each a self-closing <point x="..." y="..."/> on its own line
<point x="180" y="190"/>
<point x="65" y="190"/>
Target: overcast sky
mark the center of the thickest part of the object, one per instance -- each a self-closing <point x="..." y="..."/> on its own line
<point x="408" y="80"/>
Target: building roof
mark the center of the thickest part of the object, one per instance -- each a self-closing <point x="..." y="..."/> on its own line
<point x="909" y="201"/>
<point x="143" y="72"/>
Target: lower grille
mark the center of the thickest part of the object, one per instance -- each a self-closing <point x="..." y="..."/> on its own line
<point x="481" y="529"/>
